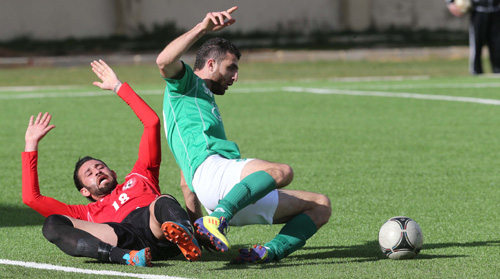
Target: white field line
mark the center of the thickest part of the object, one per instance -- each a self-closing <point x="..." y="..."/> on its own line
<point x="40" y="95"/>
<point x="347" y="79"/>
<point x="43" y="95"/>
<point x="394" y="95"/>
<point x="37" y="88"/>
<point x="379" y="78"/>
<point x="72" y="94"/>
<point x="418" y="86"/>
<point x="84" y="271"/>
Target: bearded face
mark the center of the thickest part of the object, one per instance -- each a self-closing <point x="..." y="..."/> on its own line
<point x="97" y="178"/>
<point x="223" y="74"/>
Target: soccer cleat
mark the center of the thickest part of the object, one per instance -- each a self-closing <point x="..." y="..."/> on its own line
<point x="257" y="254"/>
<point x="139" y="258"/>
<point x="178" y="234"/>
<point x="211" y="231"/>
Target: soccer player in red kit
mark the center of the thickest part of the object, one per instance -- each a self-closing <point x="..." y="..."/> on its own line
<point x="128" y="223"/>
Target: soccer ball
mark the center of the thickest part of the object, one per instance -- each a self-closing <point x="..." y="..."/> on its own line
<point x="463" y="5"/>
<point x="400" y="238"/>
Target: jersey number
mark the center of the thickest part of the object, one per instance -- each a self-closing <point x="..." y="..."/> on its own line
<point x="123" y="198"/>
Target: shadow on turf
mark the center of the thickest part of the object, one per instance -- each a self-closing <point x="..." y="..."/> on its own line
<point x="367" y="252"/>
<point x="18" y="216"/>
<point x="155" y="263"/>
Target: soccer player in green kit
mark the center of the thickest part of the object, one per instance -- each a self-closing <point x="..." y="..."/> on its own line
<point x="234" y="191"/>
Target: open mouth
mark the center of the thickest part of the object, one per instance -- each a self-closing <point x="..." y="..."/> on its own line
<point x="101" y="179"/>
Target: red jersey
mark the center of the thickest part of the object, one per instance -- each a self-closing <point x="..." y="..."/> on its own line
<point x="141" y="186"/>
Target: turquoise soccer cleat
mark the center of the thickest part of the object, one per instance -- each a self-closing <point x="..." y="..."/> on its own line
<point x="139" y="258"/>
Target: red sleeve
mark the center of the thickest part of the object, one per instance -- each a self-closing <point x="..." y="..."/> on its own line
<point x="31" y="191"/>
<point x="150" y="145"/>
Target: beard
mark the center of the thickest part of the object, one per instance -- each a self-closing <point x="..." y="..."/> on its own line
<point x="107" y="187"/>
<point x="216" y="84"/>
<point x="218" y="89"/>
<point x="104" y="188"/>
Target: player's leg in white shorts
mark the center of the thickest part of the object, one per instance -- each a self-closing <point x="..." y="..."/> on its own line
<point x="216" y="176"/>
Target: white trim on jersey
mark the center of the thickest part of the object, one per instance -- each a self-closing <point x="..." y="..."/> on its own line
<point x="134" y="173"/>
<point x="191" y="170"/>
<point x="201" y="115"/>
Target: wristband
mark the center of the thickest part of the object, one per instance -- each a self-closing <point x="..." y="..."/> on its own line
<point x="116" y="87"/>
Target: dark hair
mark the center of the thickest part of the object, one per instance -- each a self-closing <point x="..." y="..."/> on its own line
<point x="78" y="165"/>
<point x="216" y="48"/>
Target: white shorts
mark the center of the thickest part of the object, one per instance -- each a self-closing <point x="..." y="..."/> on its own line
<point x="216" y="176"/>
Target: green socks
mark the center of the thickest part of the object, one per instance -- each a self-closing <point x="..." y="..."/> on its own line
<point x="291" y="237"/>
<point x="252" y="188"/>
<point x="249" y="190"/>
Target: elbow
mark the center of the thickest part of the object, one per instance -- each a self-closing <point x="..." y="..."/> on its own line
<point x="29" y="202"/>
<point x="162" y="64"/>
<point x="159" y="62"/>
<point x="155" y="122"/>
<point x="155" y="125"/>
<point x="26" y="200"/>
<point x="167" y="66"/>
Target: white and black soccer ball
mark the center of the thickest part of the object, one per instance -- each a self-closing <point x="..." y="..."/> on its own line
<point x="400" y="238"/>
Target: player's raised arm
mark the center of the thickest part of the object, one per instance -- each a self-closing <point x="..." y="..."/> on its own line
<point x="150" y="145"/>
<point x="168" y="60"/>
<point x="37" y="128"/>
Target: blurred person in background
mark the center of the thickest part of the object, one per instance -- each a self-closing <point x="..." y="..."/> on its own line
<point x="484" y="27"/>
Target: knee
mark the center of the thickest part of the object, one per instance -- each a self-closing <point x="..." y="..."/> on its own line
<point x="163" y="200"/>
<point x="167" y="208"/>
<point x="52" y="225"/>
<point x="323" y="209"/>
<point x="283" y="175"/>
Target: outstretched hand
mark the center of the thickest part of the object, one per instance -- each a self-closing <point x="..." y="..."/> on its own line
<point x="109" y="79"/>
<point x="37" y="129"/>
<point x="216" y="21"/>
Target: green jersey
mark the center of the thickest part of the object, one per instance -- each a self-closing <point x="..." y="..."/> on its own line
<point x="193" y="124"/>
